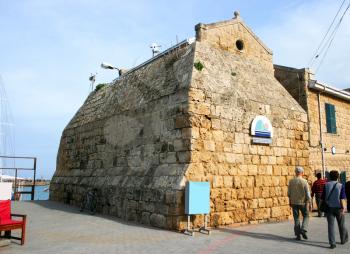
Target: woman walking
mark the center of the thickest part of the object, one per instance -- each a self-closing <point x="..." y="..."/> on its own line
<point x="334" y="196"/>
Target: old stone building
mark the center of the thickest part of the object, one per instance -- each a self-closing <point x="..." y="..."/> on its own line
<point x="328" y="110"/>
<point x="187" y="115"/>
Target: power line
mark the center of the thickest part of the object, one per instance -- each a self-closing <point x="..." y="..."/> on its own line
<point x="332" y="37"/>
<point x="317" y="53"/>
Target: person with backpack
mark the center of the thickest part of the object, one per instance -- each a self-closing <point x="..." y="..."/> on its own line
<point x="334" y="197"/>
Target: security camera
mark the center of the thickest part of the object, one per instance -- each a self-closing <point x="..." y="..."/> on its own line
<point x="108" y="66"/>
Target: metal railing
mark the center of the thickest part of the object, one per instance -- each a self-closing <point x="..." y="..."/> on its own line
<point x="16" y="192"/>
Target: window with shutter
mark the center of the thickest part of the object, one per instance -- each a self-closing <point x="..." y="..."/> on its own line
<point x="330" y="118"/>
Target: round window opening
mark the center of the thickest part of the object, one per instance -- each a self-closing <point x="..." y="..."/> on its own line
<point x="240" y="44"/>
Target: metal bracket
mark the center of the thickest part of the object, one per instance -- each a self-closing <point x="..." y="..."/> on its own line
<point x="204" y="229"/>
<point x="188" y="231"/>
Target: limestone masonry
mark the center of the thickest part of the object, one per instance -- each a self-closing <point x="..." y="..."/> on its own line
<point x="186" y="116"/>
<point x="305" y="89"/>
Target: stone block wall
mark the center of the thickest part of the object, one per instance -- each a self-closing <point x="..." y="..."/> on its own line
<point x="296" y="81"/>
<point x="225" y="34"/>
<point x="249" y="181"/>
<point x="341" y="140"/>
<point x="131" y="141"/>
<point x="186" y="116"/>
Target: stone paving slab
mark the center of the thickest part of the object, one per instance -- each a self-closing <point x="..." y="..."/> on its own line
<point x="4" y="242"/>
<point x="57" y="228"/>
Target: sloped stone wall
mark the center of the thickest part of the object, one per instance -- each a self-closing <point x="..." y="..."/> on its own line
<point x="128" y="142"/>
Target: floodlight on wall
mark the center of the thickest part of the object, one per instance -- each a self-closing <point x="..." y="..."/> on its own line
<point x="108" y="66"/>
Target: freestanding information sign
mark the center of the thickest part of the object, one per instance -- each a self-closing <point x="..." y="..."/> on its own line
<point x="197" y="201"/>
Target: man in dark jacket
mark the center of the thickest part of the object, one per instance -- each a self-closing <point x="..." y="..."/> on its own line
<point x="334" y="195"/>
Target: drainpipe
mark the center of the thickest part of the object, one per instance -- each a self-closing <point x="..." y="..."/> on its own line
<point x="321" y="135"/>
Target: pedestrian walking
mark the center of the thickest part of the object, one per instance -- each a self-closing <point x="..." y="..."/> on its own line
<point x="316" y="191"/>
<point x="300" y="202"/>
<point x="334" y="196"/>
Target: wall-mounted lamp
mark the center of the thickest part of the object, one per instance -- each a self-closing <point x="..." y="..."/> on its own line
<point x="105" y="65"/>
<point x="108" y="66"/>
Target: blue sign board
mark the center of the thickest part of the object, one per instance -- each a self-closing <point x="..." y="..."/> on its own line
<point x="197" y="198"/>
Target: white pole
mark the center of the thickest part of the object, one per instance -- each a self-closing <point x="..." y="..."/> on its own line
<point x="321" y="136"/>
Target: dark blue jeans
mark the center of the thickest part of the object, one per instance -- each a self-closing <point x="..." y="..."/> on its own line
<point x="318" y="203"/>
<point x="300" y="227"/>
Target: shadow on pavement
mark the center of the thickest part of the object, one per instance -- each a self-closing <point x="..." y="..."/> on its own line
<point x="53" y="205"/>
<point x="277" y="238"/>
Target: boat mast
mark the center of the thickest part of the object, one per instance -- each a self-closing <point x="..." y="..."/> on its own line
<point x="6" y="128"/>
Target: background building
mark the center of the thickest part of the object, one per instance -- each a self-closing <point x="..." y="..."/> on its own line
<point x="328" y="110"/>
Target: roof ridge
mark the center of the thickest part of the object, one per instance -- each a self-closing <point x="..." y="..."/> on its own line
<point x="235" y="20"/>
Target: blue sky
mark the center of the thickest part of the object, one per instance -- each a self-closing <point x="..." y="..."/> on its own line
<point x="49" y="48"/>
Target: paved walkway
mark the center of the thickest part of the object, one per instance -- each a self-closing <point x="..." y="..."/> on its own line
<point x="57" y="228"/>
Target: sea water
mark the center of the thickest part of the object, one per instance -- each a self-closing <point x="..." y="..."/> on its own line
<point x="40" y="193"/>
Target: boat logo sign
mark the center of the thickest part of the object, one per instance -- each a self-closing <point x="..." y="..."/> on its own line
<point x="261" y="127"/>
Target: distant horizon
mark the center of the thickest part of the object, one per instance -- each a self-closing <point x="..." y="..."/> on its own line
<point x="3" y="176"/>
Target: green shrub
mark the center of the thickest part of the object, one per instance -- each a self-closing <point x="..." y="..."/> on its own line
<point x="99" y="86"/>
<point x="198" y="65"/>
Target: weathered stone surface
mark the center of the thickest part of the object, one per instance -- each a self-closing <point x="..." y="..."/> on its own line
<point x="158" y="220"/>
<point x="259" y="171"/>
<point x="131" y="141"/>
<point x="140" y="139"/>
